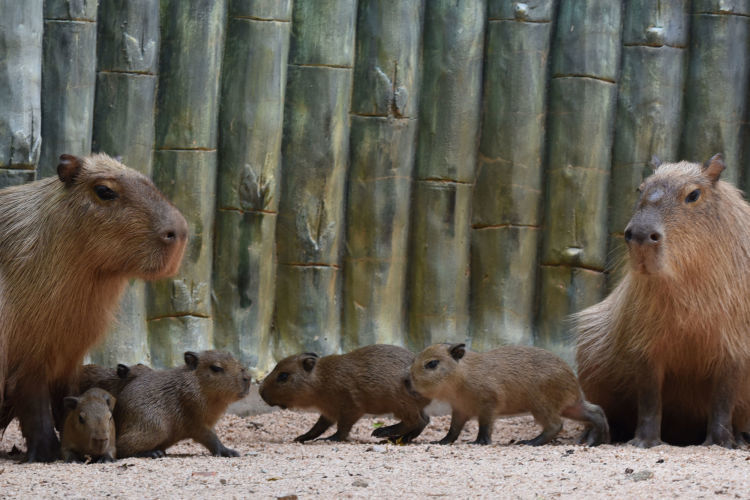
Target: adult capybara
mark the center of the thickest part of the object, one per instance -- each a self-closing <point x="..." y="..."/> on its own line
<point x="161" y="407"/>
<point x="68" y="245"/>
<point x="343" y="387"/>
<point x="667" y="353"/>
<point x="89" y="428"/>
<point x="505" y="381"/>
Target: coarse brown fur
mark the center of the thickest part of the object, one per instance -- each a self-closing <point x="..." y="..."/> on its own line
<point x="112" y="380"/>
<point x="343" y="387"/>
<point x="667" y="353"/>
<point x="505" y="381"/>
<point x="68" y="246"/>
<point x="161" y="407"/>
<point x="89" y="428"/>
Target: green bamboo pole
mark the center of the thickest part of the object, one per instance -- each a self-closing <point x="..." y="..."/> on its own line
<point x="315" y="151"/>
<point x="68" y="80"/>
<point x="582" y="99"/>
<point x="192" y="36"/>
<point x="21" y="26"/>
<point x="123" y="125"/>
<point x="449" y="115"/>
<point x="717" y="83"/>
<point x="508" y="189"/>
<point x="383" y="135"/>
<point x="649" y="107"/>
<point x="250" y="130"/>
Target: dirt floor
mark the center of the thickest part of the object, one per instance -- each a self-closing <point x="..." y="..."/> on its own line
<point x="271" y="466"/>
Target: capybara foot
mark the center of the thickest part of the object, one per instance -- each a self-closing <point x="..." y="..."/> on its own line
<point x="335" y="438"/>
<point x="152" y="454"/>
<point x="639" y="442"/>
<point x="226" y="452"/>
<point x="104" y="459"/>
<point x="592" y="436"/>
<point x="483" y="440"/>
<point x="721" y="438"/>
<point x="43" y="451"/>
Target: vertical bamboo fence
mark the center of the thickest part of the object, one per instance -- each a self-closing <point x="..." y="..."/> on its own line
<point x="360" y="171"/>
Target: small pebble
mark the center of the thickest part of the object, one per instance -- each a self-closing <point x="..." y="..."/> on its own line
<point x="642" y="475"/>
<point x="360" y="483"/>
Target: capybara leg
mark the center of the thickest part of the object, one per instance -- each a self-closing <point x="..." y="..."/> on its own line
<point x="208" y="438"/>
<point x="597" y="432"/>
<point x="35" y="416"/>
<point x="343" y="426"/>
<point x="319" y="428"/>
<point x="648" y="426"/>
<point x="390" y="431"/>
<point x="719" y="430"/>
<point x="484" y="436"/>
<point x="458" y="420"/>
<point x="131" y="443"/>
<point x="69" y="456"/>
<point x="550" y="428"/>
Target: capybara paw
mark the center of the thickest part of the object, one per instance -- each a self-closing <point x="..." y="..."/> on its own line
<point x="482" y="441"/>
<point x="443" y="441"/>
<point x="723" y="439"/>
<point x="42" y="454"/>
<point x="592" y="437"/>
<point x="301" y="439"/>
<point x="640" y="442"/>
<point x="335" y="438"/>
<point x="381" y="432"/>
<point x="226" y="452"/>
<point x="105" y="459"/>
<point x="153" y="454"/>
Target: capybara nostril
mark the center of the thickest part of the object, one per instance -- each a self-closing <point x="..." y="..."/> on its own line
<point x="168" y="236"/>
<point x="655" y="237"/>
<point x="628" y="235"/>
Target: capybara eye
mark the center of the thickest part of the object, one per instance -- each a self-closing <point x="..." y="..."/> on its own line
<point x="283" y="376"/>
<point x="693" y="196"/>
<point x="80" y="419"/>
<point x="216" y="369"/>
<point x="104" y="192"/>
<point x="431" y="365"/>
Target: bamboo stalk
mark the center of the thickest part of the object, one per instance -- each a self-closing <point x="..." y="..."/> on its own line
<point x="192" y="37"/>
<point x="68" y="81"/>
<point x="21" y="26"/>
<point x="508" y="189"/>
<point x="582" y="99"/>
<point x="123" y="125"/>
<point x="315" y="151"/>
<point x="250" y="131"/>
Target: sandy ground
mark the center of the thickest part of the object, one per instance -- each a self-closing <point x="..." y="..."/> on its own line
<point x="271" y="466"/>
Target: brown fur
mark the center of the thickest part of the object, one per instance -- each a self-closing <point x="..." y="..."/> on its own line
<point x="671" y="344"/>
<point x="505" y="381"/>
<point x="89" y="427"/>
<point x="344" y="387"/>
<point x="66" y="255"/>
<point x="161" y="407"/>
<point x="112" y="380"/>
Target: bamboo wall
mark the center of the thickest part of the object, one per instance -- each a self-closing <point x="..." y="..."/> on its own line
<point x="359" y="171"/>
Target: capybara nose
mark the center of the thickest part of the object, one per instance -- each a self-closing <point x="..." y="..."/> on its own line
<point x="100" y="444"/>
<point x="176" y="231"/>
<point x="642" y="235"/>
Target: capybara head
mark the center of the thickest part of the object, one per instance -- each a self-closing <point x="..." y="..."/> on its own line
<point x="89" y="423"/>
<point x="122" y="223"/>
<point x="219" y="374"/>
<point x="126" y="372"/>
<point x="434" y="367"/>
<point x="675" y="216"/>
<point x="291" y="384"/>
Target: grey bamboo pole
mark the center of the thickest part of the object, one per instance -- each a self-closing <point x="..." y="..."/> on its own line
<point x="315" y="151"/>
<point x="582" y="99"/>
<point x="68" y="81"/>
<point x="508" y="190"/>
<point x="649" y="108"/>
<point x="449" y="115"/>
<point x="250" y="131"/>
<point x="21" y="27"/>
<point x="716" y="87"/>
<point x="123" y="125"/>
<point x="192" y="37"/>
<point x="383" y="138"/>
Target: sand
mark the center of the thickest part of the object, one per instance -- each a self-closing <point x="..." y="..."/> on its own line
<point x="271" y="466"/>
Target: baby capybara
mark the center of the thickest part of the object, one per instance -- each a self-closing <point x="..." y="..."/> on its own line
<point x="667" y="353"/>
<point x="68" y="246"/>
<point x="343" y="387"/>
<point x="112" y="380"/>
<point x="505" y="381"/>
<point x="161" y="407"/>
<point x="89" y="428"/>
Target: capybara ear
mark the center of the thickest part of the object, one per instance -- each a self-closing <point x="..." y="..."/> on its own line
<point x="70" y="402"/>
<point x="457" y="351"/>
<point x="69" y="168"/>
<point x="309" y="360"/>
<point x="191" y="359"/>
<point x="111" y="400"/>
<point x="122" y="370"/>
<point x="714" y="167"/>
<point x="654" y="163"/>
